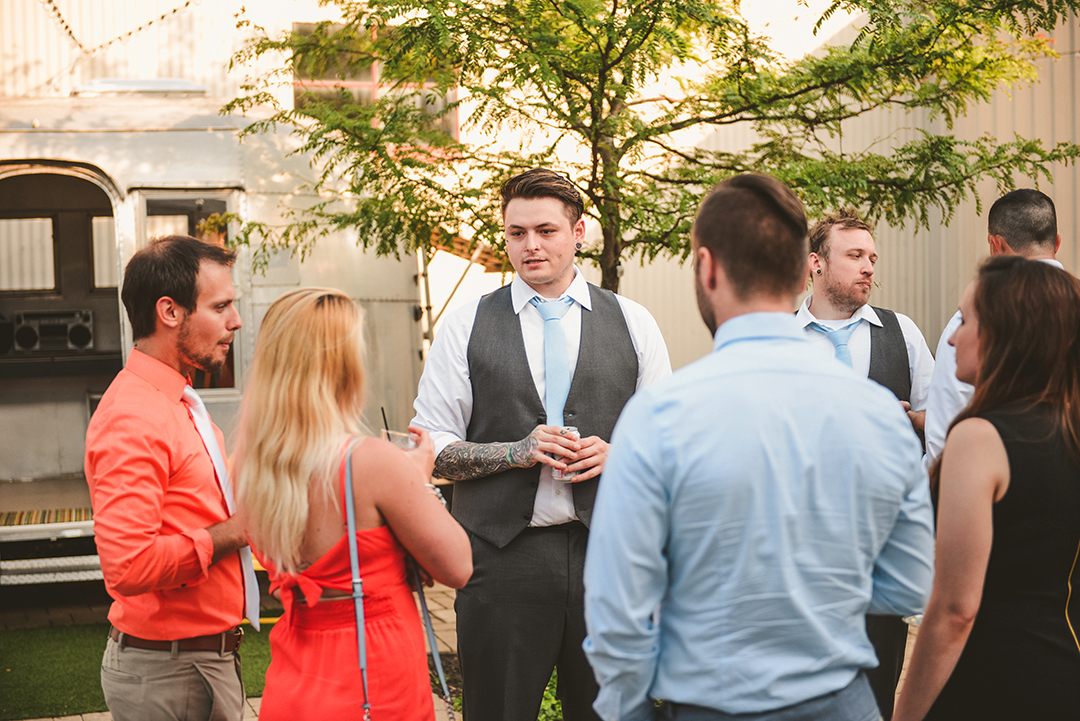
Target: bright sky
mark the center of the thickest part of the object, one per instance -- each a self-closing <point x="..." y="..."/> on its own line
<point x="790" y="23"/>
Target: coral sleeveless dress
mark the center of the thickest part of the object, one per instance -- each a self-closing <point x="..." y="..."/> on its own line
<point x="314" y="673"/>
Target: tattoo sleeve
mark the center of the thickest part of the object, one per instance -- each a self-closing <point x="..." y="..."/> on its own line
<point x="463" y="461"/>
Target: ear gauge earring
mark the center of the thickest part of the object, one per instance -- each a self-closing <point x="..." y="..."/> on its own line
<point x="819" y="271"/>
<point x="578" y="246"/>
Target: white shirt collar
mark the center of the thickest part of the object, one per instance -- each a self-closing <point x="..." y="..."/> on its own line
<point x="805" y="317"/>
<point x="521" y="292"/>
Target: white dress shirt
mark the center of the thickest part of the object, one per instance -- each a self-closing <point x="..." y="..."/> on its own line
<point x="948" y="395"/>
<point x="920" y="361"/>
<point x="444" y="399"/>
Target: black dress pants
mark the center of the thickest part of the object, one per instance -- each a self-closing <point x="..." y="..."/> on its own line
<point x="520" y="616"/>
<point x="888" y="635"/>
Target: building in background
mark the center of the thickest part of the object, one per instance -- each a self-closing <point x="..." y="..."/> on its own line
<point x="110" y="134"/>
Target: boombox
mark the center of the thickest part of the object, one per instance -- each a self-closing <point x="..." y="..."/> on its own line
<point x="46" y="331"/>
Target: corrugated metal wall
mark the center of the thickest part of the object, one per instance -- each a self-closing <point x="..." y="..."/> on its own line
<point x="921" y="273"/>
<point x="48" y="47"/>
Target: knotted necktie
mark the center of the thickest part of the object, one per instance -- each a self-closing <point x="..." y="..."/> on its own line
<point x="556" y="363"/>
<point x="206" y="430"/>
<point x="839" y="339"/>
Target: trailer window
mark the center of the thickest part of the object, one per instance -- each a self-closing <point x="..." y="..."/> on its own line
<point x="203" y="218"/>
<point x="343" y="79"/>
<point x="27" y="261"/>
<point x="159" y="225"/>
<point x="103" y="233"/>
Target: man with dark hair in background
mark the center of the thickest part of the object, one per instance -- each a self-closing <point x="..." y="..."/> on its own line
<point x="1022" y="223"/>
<point x="756" y="505"/>
<point x="175" y="560"/>
<point x="508" y="379"/>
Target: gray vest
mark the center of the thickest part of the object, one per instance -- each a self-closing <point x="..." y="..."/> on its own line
<point x="506" y="407"/>
<point x="889" y="364"/>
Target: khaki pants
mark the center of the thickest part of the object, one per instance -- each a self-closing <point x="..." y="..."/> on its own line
<point x="142" y="685"/>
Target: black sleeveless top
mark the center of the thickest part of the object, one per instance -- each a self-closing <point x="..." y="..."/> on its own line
<point x="1022" y="660"/>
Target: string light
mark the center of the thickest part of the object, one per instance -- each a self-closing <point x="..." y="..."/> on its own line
<point x="124" y="37"/>
<point x="63" y="24"/>
<point x="127" y="36"/>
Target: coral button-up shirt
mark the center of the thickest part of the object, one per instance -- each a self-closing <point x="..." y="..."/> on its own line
<point x="154" y="493"/>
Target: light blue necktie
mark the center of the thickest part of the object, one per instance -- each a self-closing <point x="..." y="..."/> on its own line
<point x="839" y="339"/>
<point x="556" y="362"/>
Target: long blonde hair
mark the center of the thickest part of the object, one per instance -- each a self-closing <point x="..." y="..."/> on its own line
<point x="303" y="398"/>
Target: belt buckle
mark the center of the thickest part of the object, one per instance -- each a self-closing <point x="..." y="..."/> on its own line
<point x="238" y="631"/>
<point x="240" y="639"/>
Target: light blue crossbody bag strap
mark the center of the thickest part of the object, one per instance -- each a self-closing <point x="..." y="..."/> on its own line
<point x="432" y="643"/>
<point x="357" y="582"/>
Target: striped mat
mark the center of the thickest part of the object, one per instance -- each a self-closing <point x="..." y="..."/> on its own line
<point x="50" y="515"/>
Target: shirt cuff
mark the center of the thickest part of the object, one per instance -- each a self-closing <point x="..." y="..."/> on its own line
<point x="442" y="439"/>
<point x="203" y="546"/>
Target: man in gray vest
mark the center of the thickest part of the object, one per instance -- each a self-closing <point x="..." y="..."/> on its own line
<point x="507" y="380"/>
<point x="884" y="346"/>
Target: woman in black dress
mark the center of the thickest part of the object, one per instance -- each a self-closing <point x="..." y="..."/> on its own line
<point x="999" y="638"/>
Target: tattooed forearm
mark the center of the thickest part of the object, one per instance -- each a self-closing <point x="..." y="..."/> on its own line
<point x="462" y="460"/>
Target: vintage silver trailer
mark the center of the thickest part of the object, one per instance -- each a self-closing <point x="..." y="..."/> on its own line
<point x="84" y="182"/>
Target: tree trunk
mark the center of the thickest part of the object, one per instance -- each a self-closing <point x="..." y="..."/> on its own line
<point x="609" y="256"/>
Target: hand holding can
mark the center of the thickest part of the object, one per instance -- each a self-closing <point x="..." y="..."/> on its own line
<point x="556" y="473"/>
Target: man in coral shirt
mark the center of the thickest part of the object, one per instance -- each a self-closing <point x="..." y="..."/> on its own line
<point x="169" y="548"/>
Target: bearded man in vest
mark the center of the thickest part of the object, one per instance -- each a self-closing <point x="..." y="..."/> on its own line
<point x="880" y="344"/>
<point x="507" y="380"/>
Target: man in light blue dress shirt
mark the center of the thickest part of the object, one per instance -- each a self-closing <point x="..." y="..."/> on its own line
<point x="755" y="505"/>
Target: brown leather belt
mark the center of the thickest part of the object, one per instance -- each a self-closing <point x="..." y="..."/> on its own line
<point x="226" y="642"/>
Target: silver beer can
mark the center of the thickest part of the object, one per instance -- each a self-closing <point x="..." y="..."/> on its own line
<point x="558" y="474"/>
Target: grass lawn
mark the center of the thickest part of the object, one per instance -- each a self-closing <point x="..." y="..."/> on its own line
<point x="47" y="672"/>
<point x="56" y="671"/>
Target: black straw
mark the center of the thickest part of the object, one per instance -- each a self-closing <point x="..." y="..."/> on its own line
<point x="385" y="424"/>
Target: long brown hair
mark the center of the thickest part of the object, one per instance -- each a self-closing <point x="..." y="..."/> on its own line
<point x="1029" y="343"/>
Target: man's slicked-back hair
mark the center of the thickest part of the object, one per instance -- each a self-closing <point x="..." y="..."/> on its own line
<point x="1025" y="218"/>
<point x="167" y="268"/>
<point x="844" y="219"/>
<point x="544" y="183"/>
<point x="755" y="227"/>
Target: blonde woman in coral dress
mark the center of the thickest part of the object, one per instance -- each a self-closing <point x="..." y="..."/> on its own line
<point x="299" y="428"/>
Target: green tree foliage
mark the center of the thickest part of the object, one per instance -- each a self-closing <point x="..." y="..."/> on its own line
<point x="619" y="93"/>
